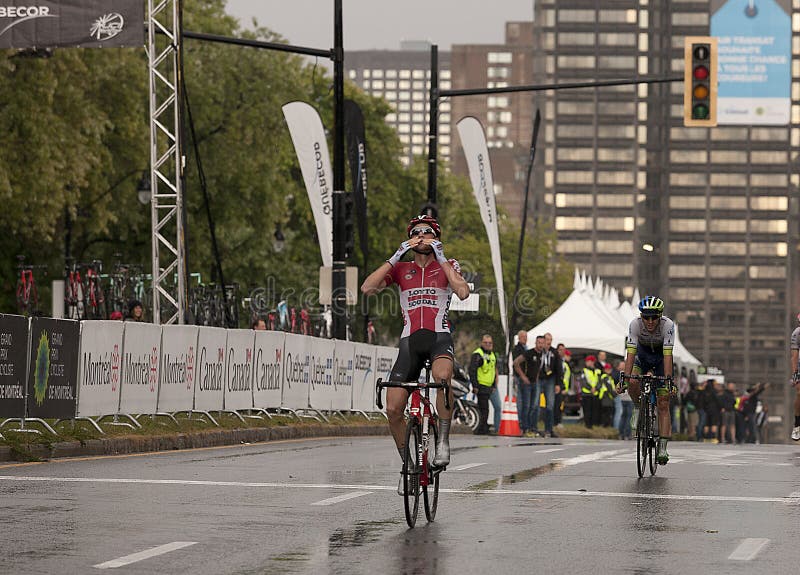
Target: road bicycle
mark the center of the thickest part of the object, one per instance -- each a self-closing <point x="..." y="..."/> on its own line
<point x="422" y="433"/>
<point x="95" y="304"/>
<point x="27" y="292"/>
<point x="647" y="434"/>
<point x="73" y="292"/>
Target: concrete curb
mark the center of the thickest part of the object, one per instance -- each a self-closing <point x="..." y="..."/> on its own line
<point x="178" y="441"/>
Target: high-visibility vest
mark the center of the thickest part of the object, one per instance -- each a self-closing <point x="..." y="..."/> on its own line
<point x="565" y="380"/>
<point x="606" y="384"/>
<point x="591" y="379"/>
<point x="486" y="371"/>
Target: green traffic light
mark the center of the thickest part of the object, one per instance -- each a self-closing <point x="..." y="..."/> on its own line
<point x="699" y="112"/>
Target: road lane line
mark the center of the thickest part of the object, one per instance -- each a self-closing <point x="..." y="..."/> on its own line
<point x="589" y="457"/>
<point x="553" y="450"/>
<point x="517" y="492"/>
<point x="146" y="554"/>
<point x="340" y="498"/>
<point x="465" y="466"/>
<point x="748" y="549"/>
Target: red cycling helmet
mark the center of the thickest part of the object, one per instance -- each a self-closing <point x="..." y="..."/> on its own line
<point x="424" y="219"/>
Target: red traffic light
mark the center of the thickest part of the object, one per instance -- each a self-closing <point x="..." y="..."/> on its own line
<point x="700" y="72"/>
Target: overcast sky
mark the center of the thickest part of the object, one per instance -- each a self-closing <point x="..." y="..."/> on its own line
<point x="383" y="24"/>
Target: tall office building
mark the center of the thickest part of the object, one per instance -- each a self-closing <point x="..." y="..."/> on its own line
<point x="705" y="217"/>
<point x="402" y="78"/>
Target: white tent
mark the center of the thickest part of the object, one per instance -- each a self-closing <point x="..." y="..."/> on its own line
<point x="592" y="318"/>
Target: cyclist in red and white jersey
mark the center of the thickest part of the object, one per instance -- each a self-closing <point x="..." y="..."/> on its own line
<point x="425" y="285"/>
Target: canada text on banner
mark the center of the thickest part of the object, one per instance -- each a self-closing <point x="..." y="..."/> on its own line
<point x="71" y="23"/>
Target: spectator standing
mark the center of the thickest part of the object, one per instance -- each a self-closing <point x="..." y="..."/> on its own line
<point x="748" y="404"/>
<point x="683" y="390"/>
<point x="519" y="349"/>
<point x="527" y="367"/>
<point x="700" y="403"/>
<point x="606" y="395"/>
<point x="483" y="374"/>
<point x="562" y="387"/>
<point x="690" y="406"/>
<point x="135" y="311"/>
<point x="259" y="324"/>
<point x="728" y="425"/>
<point x="549" y="374"/>
<point x="615" y="373"/>
<point x="590" y="382"/>
<point x="625" y="418"/>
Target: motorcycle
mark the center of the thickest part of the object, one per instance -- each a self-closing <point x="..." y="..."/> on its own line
<point x="465" y="412"/>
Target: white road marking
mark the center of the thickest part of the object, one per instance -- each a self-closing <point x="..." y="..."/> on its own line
<point x="552" y="450"/>
<point x="589" y="457"/>
<point x="748" y="549"/>
<point x="340" y="498"/>
<point x="146" y="554"/>
<point x="722" y="498"/>
<point x="465" y="466"/>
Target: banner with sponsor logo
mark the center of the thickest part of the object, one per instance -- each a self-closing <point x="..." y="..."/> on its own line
<point x="141" y="366"/>
<point x="308" y="136"/>
<point x="178" y="367"/>
<point x="473" y="141"/>
<point x="239" y="369"/>
<point x="53" y="373"/>
<point x="343" y="375"/>
<point x="13" y="364"/>
<point x="364" y="377"/>
<point x="296" y="370"/>
<point x="322" y="394"/>
<point x="268" y="368"/>
<point x="384" y="361"/>
<point x="208" y="385"/>
<point x="357" y="158"/>
<point x="99" y="371"/>
<point x="71" y="23"/>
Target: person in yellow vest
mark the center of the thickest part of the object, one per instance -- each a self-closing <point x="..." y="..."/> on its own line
<point x="483" y="374"/>
<point x="590" y="388"/>
<point x="562" y="387"/>
<point x="606" y="395"/>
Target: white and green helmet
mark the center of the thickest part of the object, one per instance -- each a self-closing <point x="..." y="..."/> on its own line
<point x="651" y="306"/>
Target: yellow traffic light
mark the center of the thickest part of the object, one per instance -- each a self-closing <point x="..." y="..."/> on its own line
<point x="700" y="81"/>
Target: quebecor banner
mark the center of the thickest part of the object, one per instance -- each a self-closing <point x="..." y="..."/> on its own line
<point x="178" y="367"/>
<point x="296" y="371"/>
<point x="357" y="158"/>
<point x="71" y="23"/>
<point x="308" y="136"/>
<point x="239" y="369"/>
<point x="268" y="369"/>
<point x="13" y="364"/>
<point x="473" y="141"/>
<point x="53" y="373"/>
<point x="208" y="386"/>
<point x="322" y="394"/>
<point x="364" y="377"/>
<point x="141" y="363"/>
<point x="99" y="372"/>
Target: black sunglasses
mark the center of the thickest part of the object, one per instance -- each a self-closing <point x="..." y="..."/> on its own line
<point x="421" y="231"/>
<point x="651" y="317"/>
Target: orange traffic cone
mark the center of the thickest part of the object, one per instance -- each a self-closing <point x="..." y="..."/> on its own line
<point x="509" y="423"/>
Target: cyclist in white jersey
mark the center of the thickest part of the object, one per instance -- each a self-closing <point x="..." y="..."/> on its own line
<point x="794" y="367"/>
<point x="648" y="346"/>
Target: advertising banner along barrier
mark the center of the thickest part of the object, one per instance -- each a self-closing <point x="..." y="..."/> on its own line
<point x="141" y="366"/>
<point x="178" y="368"/>
<point x="99" y="372"/>
<point x="323" y="393"/>
<point x="13" y="364"/>
<point x="53" y="373"/>
<point x="239" y="370"/>
<point x="384" y="361"/>
<point x="296" y="370"/>
<point x="208" y="386"/>
<point x="268" y="369"/>
<point x="364" y="377"/>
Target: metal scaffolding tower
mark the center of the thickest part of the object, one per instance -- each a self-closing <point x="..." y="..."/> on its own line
<point x="167" y="161"/>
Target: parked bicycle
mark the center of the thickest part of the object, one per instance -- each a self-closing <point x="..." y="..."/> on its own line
<point x="95" y="304"/>
<point x="419" y="474"/>
<point x="27" y="292"/>
<point x="73" y="292"/>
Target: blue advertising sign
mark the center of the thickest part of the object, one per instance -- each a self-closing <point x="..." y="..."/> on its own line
<point x="754" y="58"/>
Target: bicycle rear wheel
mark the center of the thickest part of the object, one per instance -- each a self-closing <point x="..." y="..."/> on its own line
<point x="410" y="473"/>
<point x="653" y="443"/>
<point x="642" y="437"/>
<point x="430" y="492"/>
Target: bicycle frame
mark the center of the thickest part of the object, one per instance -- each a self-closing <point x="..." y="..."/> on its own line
<point x="647" y="433"/>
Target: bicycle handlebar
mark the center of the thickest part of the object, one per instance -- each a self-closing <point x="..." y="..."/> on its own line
<point x="411" y="386"/>
<point x="643" y="376"/>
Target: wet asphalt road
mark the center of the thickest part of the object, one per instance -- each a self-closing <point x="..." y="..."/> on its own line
<point x="329" y="506"/>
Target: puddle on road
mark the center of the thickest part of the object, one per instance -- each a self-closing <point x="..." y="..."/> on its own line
<point x="362" y="533"/>
<point x="517" y="477"/>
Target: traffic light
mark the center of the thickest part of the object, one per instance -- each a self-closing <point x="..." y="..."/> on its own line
<point x="700" y="81"/>
<point x="349" y="237"/>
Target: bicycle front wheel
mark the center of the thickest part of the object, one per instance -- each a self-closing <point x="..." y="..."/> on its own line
<point x="642" y="437"/>
<point x="430" y="492"/>
<point x="410" y="473"/>
<point x="653" y="443"/>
